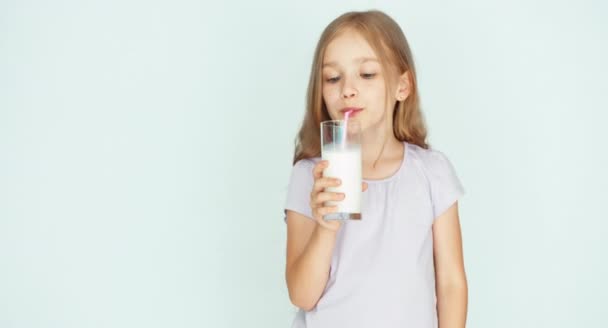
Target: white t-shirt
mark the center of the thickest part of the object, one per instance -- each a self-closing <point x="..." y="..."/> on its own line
<point x="382" y="271"/>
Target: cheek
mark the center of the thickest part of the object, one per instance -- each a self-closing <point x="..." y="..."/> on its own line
<point x="329" y="94"/>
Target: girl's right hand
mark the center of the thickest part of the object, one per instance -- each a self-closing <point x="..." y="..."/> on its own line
<point x="319" y="196"/>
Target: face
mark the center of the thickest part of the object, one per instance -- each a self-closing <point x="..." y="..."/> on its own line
<point x="353" y="78"/>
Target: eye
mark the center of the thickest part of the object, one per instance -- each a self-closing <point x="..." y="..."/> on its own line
<point x="332" y="79"/>
<point x="368" y="75"/>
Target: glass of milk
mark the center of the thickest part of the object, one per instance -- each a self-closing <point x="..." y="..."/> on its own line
<point x="341" y="147"/>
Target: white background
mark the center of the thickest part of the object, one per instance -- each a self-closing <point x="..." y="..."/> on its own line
<point x="145" y="149"/>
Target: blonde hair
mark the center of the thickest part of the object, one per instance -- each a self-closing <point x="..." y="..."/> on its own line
<point x="388" y="41"/>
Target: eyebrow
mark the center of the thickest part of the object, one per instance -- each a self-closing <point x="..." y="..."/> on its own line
<point x="360" y="60"/>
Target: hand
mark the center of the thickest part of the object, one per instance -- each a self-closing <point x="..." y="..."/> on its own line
<point x="319" y="196"/>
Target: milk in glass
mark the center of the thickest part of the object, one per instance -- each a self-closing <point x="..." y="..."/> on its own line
<point x="344" y="164"/>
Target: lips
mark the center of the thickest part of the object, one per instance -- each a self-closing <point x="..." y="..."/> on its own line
<point x="353" y="111"/>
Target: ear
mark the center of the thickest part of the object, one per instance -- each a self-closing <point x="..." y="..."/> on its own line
<point x="403" y="87"/>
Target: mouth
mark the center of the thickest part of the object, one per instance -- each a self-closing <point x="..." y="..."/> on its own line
<point x="350" y="111"/>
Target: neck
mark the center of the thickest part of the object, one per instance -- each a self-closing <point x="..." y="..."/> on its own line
<point x="378" y="145"/>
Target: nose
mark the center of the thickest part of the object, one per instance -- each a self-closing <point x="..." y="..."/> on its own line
<point x="348" y="90"/>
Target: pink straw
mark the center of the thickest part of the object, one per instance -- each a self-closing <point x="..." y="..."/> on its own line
<point x="345" y="132"/>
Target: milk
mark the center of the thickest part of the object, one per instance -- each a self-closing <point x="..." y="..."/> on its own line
<point x="345" y="164"/>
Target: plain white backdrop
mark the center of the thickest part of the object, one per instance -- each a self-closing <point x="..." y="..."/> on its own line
<point x="145" y="149"/>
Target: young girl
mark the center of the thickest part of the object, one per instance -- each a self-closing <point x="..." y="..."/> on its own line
<point x="402" y="264"/>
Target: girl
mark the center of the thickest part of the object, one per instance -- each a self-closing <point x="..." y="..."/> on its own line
<point x="402" y="264"/>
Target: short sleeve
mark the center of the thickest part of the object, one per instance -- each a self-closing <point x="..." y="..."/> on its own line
<point x="445" y="186"/>
<point x="299" y="188"/>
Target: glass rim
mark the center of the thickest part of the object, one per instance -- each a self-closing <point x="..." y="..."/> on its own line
<point x="339" y="122"/>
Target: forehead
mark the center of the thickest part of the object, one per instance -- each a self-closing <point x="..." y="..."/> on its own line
<point x="347" y="48"/>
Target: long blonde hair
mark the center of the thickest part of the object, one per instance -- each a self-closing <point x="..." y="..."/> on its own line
<point x="388" y="41"/>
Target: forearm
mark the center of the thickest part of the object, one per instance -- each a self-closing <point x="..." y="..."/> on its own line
<point x="308" y="275"/>
<point x="452" y="306"/>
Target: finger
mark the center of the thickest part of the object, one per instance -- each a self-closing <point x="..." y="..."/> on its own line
<point x="322" y="197"/>
<point x="322" y="183"/>
<point x="317" y="171"/>
<point x="324" y="210"/>
<point x="365" y="186"/>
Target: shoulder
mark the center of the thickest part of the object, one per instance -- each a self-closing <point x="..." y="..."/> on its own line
<point x="438" y="170"/>
<point x="428" y="159"/>
<point x="434" y="165"/>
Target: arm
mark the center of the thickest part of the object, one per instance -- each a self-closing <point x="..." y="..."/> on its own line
<point x="309" y="251"/>
<point x="450" y="277"/>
